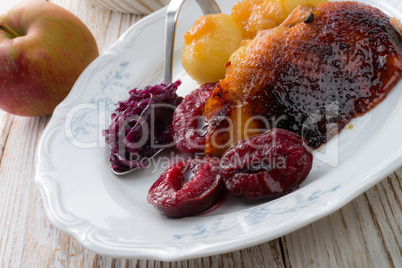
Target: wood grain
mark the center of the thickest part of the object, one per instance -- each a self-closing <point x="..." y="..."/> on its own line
<point x="367" y="232"/>
<point x="6" y="120"/>
<point x="354" y="236"/>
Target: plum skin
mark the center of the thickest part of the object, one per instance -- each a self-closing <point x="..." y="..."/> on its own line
<point x="174" y="196"/>
<point x="183" y="129"/>
<point x="288" y="161"/>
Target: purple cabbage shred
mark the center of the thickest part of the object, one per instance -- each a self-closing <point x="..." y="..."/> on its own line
<point x="140" y="125"/>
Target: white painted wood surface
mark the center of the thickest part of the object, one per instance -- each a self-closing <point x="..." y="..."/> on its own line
<point x="367" y="232"/>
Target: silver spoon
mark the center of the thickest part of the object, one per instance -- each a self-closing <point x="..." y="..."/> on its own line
<point x="172" y="14"/>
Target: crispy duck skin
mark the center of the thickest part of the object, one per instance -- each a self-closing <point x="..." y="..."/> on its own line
<point x="310" y="77"/>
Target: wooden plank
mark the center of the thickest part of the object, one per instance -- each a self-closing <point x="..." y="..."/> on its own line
<point x="6" y="120"/>
<point x="385" y="207"/>
<point x="20" y="202"/>
<point x="6" y="5"/>
<point x="106" y="26"/>
<point x="364" y="233"/>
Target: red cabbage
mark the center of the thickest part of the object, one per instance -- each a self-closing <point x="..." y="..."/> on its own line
<point x="140" y="125"/>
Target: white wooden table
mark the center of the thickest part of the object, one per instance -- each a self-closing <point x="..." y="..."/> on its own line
<point x="367" y="232"/>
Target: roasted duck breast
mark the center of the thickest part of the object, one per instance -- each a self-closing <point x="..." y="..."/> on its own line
<point x="311" y="75"/>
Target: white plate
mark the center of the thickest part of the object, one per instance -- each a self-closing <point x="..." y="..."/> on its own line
<point x="110" y="215"/>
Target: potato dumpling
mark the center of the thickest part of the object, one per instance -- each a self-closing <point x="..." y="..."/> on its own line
<point x="258" y="15"/>
<point x="290" y="5"/>
<point x="208" y="46"/>
<point x="241" y="51"/>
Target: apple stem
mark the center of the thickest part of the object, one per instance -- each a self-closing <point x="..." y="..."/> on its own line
<point x="4" y="27"/>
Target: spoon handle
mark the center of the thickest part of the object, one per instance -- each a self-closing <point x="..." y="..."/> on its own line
<point x="172" y="14"/>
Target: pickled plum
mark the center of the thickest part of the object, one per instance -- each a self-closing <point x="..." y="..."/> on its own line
<point x="186" y="188"/>
<point x="187" y="129"/>
<point x="266" y="166"/>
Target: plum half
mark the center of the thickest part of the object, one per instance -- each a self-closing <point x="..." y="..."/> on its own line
<point x="188" y="127"/>
<point x="266" y="166"/>
<point x="186" y="188"/>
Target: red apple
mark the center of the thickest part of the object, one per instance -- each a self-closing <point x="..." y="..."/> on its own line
<point x="43" y="50"/>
